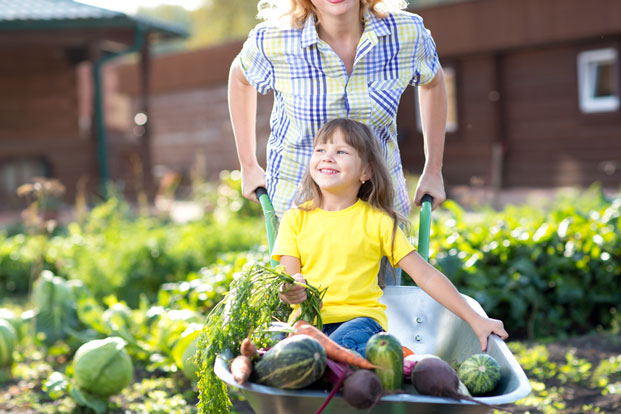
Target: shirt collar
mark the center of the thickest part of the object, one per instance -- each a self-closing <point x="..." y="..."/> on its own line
<point x="309" y="32"/>
<point x="372" y="24"/>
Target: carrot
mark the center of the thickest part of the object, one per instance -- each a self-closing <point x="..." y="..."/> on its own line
<point x="247" y="348"/>
<point x="334" y="351"/>
<point x="406" y="351"/>
<point x="241" y="368"/>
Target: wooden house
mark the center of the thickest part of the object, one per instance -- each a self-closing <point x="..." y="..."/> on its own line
<point x="51" y="109"/>
<point x="534" y="90"/>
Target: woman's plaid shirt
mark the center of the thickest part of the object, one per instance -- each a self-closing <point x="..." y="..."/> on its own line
<point x="311" y="86"/>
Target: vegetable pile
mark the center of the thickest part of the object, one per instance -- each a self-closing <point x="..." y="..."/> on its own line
<point x="245" y="330"/>
<point x="247" y="311"/>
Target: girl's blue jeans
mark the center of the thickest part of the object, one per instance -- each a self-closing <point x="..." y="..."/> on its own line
<point x="354" y="333"/>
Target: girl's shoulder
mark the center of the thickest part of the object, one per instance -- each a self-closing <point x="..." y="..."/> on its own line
<point x="381" y="217"/>
<point x="373" y="211"/>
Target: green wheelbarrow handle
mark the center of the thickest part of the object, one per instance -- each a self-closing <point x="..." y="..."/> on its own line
<point x="424" y="227"/>
<point x="271" y="222"/>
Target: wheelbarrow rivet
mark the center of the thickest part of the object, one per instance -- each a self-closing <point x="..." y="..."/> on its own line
<point x="419" y="319"/>
<point x="418" y="338"/>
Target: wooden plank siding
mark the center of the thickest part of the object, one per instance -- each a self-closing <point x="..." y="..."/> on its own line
<point x="550" y="142"/>
<point x="189" y="115"/>
<point x="39" y="115"/>
<point x="516" y="80"/>
<point x="547" y="140"/>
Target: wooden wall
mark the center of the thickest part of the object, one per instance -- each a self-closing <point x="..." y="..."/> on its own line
<point x="189" y="115"/>
<point x="39" y="115"/>
<point x="467" y="152"/>
<point x="515" y="67"/>
<point x="551" y="143"/>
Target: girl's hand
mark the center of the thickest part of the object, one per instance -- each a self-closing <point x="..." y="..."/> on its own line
<point x="291" y="293"/>
<point x="483" y="327"/>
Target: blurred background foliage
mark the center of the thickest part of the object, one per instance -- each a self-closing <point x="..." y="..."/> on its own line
<point x="545" y="271"/>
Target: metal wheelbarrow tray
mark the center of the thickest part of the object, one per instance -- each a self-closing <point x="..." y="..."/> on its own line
<point x="421" y="324"/>
<point x="424" y="326"/>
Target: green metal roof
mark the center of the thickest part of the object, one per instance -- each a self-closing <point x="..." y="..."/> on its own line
<point x="69" y="14"/>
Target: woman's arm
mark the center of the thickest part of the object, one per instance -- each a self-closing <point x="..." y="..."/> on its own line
<point x="291" y="293"/>
<point x="243" y="112"/>
<point x="439" y="287"/>
<point x="433" y="107"/>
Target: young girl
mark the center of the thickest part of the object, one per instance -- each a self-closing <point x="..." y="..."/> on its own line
<point x="343" y="225"/>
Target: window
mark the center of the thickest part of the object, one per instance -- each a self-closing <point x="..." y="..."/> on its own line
<point x="451" y="92"/>
<point x="598" y="86"/>
<point x="14" y="173"/>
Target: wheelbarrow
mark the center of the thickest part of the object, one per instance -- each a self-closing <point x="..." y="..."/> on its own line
<point x="421" y="324"/>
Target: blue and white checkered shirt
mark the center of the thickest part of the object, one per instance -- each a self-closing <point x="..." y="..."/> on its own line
<point x="311" y="86"/>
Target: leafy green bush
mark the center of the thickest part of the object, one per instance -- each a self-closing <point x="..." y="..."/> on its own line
<point x="128" y="257"/>
<point x="117" y="252"/>
<point x="543" y="272"/>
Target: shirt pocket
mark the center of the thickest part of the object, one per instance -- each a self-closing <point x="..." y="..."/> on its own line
<point x="385" y="95"/>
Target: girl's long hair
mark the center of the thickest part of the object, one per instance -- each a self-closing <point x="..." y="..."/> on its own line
<point x="296" y="12"/>
<point x="378" y="191"/>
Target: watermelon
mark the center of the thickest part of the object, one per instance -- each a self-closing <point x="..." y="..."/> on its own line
<point x="8" y="339"/>
<point x="384" y="351"/>
<point x="480" y="373"/>
<point x="293" y="363"/>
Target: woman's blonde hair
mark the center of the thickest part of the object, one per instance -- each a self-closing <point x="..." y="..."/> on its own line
<point x="377" y="191"/>
<point x="296" y="12"/>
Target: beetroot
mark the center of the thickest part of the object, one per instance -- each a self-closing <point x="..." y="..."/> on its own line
<point x="335" y="374"/>
<point x="410" y="361"/>
<point x="433" y="376"/>
<point x="362" y="389"/>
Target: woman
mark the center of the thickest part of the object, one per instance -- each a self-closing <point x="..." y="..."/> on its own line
<point x="326" y="59"/>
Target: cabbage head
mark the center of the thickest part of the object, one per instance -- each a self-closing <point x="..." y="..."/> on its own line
<point x="15" y="321"/>
<point x="8" y="339"/>
<point x="55" y="303"/>
<point x="103" y="367"/>
<point x="51" y="291"/>
<point x="185" y="349"/>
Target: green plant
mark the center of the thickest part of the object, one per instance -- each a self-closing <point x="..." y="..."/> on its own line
<point x="103" y="367"/>
<point x="55" y="316"/>
<point x="543" y="272"/>
<point x="248" y="309"/>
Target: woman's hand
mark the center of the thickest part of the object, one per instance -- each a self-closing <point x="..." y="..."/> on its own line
<point x="252" y="178"/>
<point x="432" y="184"/>
<point x="484" y="327"/>
<point x="291" y="293"/>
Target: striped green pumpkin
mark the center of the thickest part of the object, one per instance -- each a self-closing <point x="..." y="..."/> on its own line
<point x="8" y="339"/>
<point x="293" y="363"/>
<point x="480" y="373"/>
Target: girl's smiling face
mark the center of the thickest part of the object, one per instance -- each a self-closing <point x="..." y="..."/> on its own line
<point x="336" y="166"/>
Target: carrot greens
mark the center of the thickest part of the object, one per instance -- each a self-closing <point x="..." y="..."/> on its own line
<point x="247" y="310"/>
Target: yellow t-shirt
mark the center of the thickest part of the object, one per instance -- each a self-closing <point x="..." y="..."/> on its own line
<point x="342" y="250"/>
